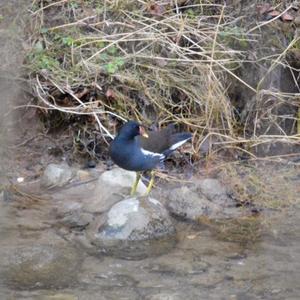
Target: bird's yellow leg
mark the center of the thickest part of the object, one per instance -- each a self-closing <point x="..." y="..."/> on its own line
<point x="150" y="185"/>
<point x="134" y="187"/>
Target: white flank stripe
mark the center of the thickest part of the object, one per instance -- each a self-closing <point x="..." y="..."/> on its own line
<point x="178" y="144"/>
<point x="153" y="154"/>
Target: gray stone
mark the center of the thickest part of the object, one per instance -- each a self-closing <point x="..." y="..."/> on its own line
<point x="96" y="196"/>
<point x="41" y="266"/>
<point x="118" y="179"/>
<point x="136" y="219"/>
<point x="110" y="188"/>
<point x="187" y="204"/>
<point x="213" y="190"/>
<point x="134" y="228"/>
<point x="206" y="197"/>
<point x="56" y="175"/>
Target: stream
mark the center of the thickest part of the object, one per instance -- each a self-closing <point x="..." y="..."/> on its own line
<point x="38" y="262"/>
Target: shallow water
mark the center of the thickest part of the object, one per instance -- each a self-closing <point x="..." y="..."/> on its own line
<point x="203" y="264"/>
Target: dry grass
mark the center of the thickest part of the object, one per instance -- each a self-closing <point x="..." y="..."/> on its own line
<point x="95" y="64"/>
<point x="245" y="230"/>
<point x="256" y="185"/>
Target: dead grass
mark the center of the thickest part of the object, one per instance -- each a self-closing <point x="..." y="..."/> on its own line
<point x="98" y="63"/>
<point x="246" y="230"/>
<point x="265" y="184"/>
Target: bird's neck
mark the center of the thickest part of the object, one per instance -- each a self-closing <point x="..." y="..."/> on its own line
<point x="126" y="139"/>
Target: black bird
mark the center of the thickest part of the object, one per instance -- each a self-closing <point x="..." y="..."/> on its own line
<point x="134" y="150"/>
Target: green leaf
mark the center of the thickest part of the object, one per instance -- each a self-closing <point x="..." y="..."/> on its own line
<point x="119" y="61"/>
<point x="112" y="50"/>
<point x="74" y="4"/>
<point x="68" y="41"/>
<point x="111" y="68"/>
<point x="101" y="44"/>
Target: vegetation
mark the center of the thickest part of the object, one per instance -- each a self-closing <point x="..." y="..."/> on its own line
<point x="94" y="64"/>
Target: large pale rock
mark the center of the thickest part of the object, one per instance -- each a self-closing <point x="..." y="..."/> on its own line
<point x="96" y="194"/>
<point x="117" y="179"/>
<point x="134" y="228"/>
<point x="111" y="188"/>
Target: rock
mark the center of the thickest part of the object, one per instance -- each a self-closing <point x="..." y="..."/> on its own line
<point x="213" y="190"/>
<point x="187" y="204"/>
<point x="134" y="228"/>
<point x="41" y="266"/>
<point x="56" y="175"/>
<point x="206" y="198"/>
<point x="110" y="188"/>
<point x="118" y="179"/>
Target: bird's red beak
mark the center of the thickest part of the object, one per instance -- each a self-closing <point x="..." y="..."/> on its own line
<point x="143" y="132"/>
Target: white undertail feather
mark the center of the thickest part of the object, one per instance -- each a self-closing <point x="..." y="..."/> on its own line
<point x="178" y="144"/>
<point x="153" y="154"/>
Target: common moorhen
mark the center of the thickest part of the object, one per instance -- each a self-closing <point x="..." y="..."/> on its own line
<point x="133" y="149"/>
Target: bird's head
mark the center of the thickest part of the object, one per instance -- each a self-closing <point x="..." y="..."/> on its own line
<point x="131" y="129"/>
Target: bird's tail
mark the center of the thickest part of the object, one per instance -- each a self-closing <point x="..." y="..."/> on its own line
<point x="177" y="140"/>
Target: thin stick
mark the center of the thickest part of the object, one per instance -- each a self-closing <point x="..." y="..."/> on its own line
<point x="270" y="21"/>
